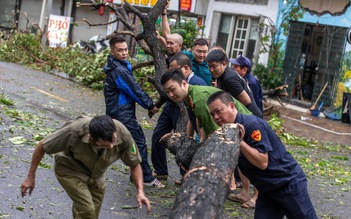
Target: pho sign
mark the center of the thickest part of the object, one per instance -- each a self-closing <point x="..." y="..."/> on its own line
<point x="58" y="29"/>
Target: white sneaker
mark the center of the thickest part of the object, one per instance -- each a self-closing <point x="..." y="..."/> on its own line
<point x="155" y="183"/>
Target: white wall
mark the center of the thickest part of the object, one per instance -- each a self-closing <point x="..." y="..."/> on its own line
<point x="32" y="8"/>
<point x="83" y="31"/>
<point x="80" y="32"/>
<point x="213" y="19"/>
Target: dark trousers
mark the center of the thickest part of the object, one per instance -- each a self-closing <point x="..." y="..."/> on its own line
<point x="165" y="124"/>
<point x="292" y="200"/>
<point x="139" y="138"/>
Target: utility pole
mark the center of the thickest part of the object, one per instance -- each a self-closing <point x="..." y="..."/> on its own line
<point x="44" y="16"/>
<point x="178" y="14"/>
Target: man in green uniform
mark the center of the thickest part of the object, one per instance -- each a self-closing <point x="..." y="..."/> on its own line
<point x="84" y="148"/>
<point x="195" y="98"/>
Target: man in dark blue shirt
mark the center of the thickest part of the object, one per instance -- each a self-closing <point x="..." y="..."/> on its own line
<point x="243" y="65"/>
<point x="281" y="182"/>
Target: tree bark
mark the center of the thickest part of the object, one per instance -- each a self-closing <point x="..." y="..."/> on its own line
<point x="150" y="37"/>
<point x="177" y="143"/>
<point x="182" y="147"/>
<point x="205" y="186"/>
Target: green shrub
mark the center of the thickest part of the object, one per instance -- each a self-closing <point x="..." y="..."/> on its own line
<point x="268" y="79"/>
<point x="87" y="69"/>
<point x="26" y="49"/>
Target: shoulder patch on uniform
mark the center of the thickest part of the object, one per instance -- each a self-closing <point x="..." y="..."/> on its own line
<point x="256" y="135"/>
<point x="133" y="149"/>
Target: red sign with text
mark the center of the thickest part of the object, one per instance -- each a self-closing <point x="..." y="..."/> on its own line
<point x="185" y="5"/>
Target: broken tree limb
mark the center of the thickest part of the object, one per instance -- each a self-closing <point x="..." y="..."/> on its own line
<point x="205" y="186"/>
<point x="182" y="147"/>
<point x="177" y="143"/>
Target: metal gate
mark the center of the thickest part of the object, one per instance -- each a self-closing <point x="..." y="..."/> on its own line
<point x="329" y="64"/>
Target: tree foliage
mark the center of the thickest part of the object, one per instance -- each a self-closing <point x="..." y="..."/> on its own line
<point x="26" y="49"/>
<point x="188" y="30"/>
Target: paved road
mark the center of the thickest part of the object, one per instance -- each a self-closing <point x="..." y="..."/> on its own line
<point x="51" y="101"/>
<point x="54" y="100"/>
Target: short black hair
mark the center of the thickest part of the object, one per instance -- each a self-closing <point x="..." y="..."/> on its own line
<point x="224" y="96"/>
<point x="102" y="128"/>
<point x="174" y="74"/>
<point x="200" y="42"/>
<point x="181" y="59"/>
<point x="216" y="55"/>
<point x="117" y="39"/>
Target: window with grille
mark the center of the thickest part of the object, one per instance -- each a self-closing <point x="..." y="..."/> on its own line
<point x="240" y="36"/>
<point x="224" y="30"/>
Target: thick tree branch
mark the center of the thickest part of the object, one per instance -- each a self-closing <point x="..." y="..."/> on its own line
<point x="133" y="10"/>
<point x="100" y="24"/>
<point x="157" y="10"/>
<point x="142" y="64"/>
<point x="144" y="46"/>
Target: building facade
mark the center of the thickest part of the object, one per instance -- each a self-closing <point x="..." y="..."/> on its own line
<point x="317" y="53"/>
<point x="235" y="25"/>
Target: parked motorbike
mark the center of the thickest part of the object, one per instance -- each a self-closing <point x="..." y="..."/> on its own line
<point x="95" y="44"/>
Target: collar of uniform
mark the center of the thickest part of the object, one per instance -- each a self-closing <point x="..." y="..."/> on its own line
<point x="189" y="77"/>
<point x="86" y="139"/>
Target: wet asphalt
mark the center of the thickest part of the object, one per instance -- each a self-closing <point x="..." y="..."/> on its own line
<point x="55" y="100"/>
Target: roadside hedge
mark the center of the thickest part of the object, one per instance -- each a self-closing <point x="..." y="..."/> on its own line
<point x="87" y="69"/>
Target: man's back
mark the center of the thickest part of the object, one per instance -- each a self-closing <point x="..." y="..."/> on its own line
<point x="256" y="89"/>
<point x="282" y="167"/>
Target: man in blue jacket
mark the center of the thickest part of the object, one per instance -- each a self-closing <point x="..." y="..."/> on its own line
<point x="121" y="92"/>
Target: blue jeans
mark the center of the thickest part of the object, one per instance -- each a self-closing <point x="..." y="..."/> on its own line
<point x="139" y="138"/>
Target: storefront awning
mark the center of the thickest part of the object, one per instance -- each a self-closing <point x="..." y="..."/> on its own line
<point x="320" y="7"/>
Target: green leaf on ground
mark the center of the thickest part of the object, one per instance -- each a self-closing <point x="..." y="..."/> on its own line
<point x="17" y="140"/>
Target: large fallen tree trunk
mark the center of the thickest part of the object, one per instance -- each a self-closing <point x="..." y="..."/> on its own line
<point x="205" y="186"/>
